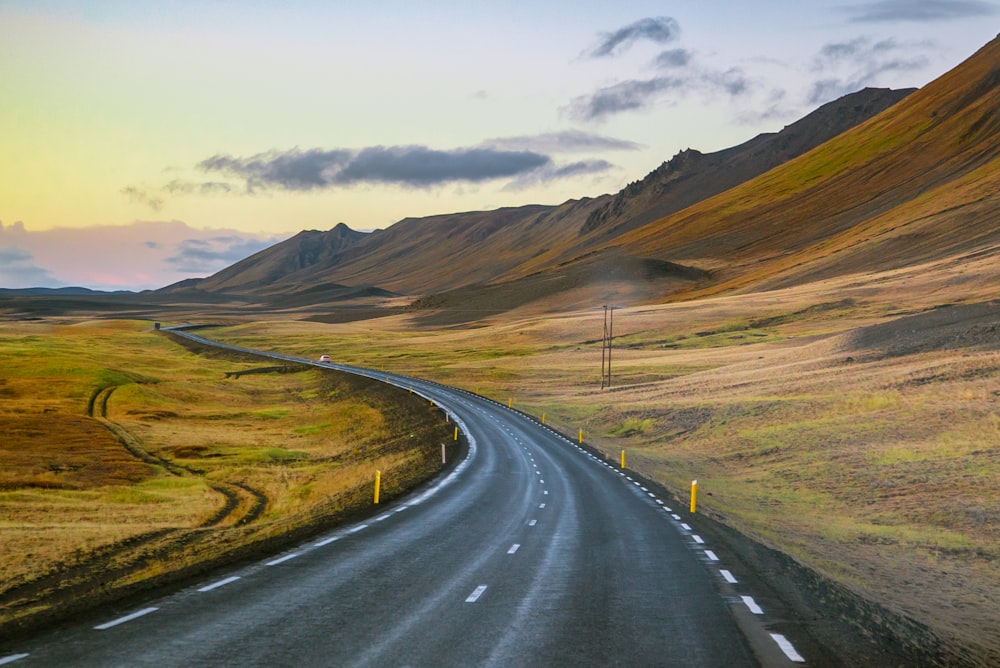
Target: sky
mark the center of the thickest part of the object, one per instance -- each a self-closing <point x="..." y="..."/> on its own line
<point x="148" y="142"/>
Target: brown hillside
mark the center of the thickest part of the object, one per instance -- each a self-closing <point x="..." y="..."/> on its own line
<point x="916" y="183"/>
<point x="281" y="262"/>
<point x="691" y="176"/>
<point x="469" y="251"/>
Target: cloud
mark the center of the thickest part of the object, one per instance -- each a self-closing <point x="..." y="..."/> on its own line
<point x="203" y="256"/>
<point x="137" y="256"/>
<point x="672" y="58"/>
<point x="622" y="96"/>
<point x="732" y="81"/>
<point x="660" y="30"/>
<point x="414" y="166"/>
<point x="18" y="269"/>
<point x="142" y="195"/>
<point x="919" y="10"/>
<point x="639" y="94"/>
<point x="179" y="187"/>
<point x="568" y="141"/>
<point x="556" y="172"/>
<point x="845" y="67"/>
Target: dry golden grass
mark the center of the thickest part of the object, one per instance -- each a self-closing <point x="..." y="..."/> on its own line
<point x="123" y="450"/>
<point x="880" y="471"/>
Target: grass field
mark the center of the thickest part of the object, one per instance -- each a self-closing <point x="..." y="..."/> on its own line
<point x="852" y="424"/>
<point x="124" y="453"/>
<point x="869" y="452"/>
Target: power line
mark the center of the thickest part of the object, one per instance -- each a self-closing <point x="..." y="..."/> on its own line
<point x="609" y="326"/>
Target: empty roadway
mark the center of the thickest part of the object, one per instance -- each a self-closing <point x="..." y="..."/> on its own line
<point x="531" y="553"/>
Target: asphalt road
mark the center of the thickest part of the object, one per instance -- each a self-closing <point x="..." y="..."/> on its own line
<point x="532" y="552"/>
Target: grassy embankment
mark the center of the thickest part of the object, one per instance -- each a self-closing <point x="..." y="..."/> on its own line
<point x="879" y="468"/>
<point x="127" y="457"/>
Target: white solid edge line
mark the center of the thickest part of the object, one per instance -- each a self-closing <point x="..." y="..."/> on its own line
<point x="126" y="618"/>
<point x="750" y="603"/>
<point x="513" y="548"/>
<point x="711" y="555"/>
<point x="220" y="583"/>
<point x="788" y="648"/>
<point x="283" y="559"/>
<point x="474" y="596"/>
<point x="12" y="658"/>
<point x="729" y="576"/>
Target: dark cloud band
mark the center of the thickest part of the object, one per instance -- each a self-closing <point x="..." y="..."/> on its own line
<point x="416" y="166"/>
<point x="660" y="30"/>
<point x="919" y="10"/>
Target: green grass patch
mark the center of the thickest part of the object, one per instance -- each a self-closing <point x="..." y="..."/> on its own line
<point x="313" y="429"/>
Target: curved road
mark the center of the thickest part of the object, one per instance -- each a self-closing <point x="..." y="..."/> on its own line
<point x="530" y="553"/>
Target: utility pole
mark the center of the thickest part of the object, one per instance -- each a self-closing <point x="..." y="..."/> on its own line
<point x="609" y="326"/>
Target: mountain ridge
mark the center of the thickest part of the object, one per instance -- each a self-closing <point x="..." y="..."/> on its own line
<point x="445" y="252"/>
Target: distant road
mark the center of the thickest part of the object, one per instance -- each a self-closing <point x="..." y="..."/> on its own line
<point x="530" y="553"/>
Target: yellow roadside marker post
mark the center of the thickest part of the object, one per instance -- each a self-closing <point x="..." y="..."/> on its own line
<point x="694" y="495"/>
<point x="510" y="402"/>
<point x="543" y="418"/>
<point x="456" y="433"/>
<point x="623" y="459"/>
<point x="378" y="483"/>
<point x="581" y="437"/>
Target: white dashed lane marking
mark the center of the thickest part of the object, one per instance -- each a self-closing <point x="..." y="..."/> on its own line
<point x="281" y="560"/>
<point x="752" y="605"/>
<point x="787" y="648"/>
<point x="513" y="548"/>
<point x="12" y="658"/>
<point x="126" y="618"/>
<point x="532" y="523"/>
<point x="220" y="583"/>
<point x="728" y="576"/>
<point x="477" y="592"/>
<point x="711" y="555"/>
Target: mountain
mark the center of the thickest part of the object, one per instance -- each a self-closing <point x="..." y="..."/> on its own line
<point x="691" y="176"/>
<point x="436" y="254"/>
<point x="281" y="263"/>
<point x="917" y="183"/>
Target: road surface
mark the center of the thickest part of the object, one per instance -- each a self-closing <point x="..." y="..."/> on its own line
<point x="532" y="552"/>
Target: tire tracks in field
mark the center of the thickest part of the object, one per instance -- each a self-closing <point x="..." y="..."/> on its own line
<point x="104" y="567"/>
<point x="236" y="494"/>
